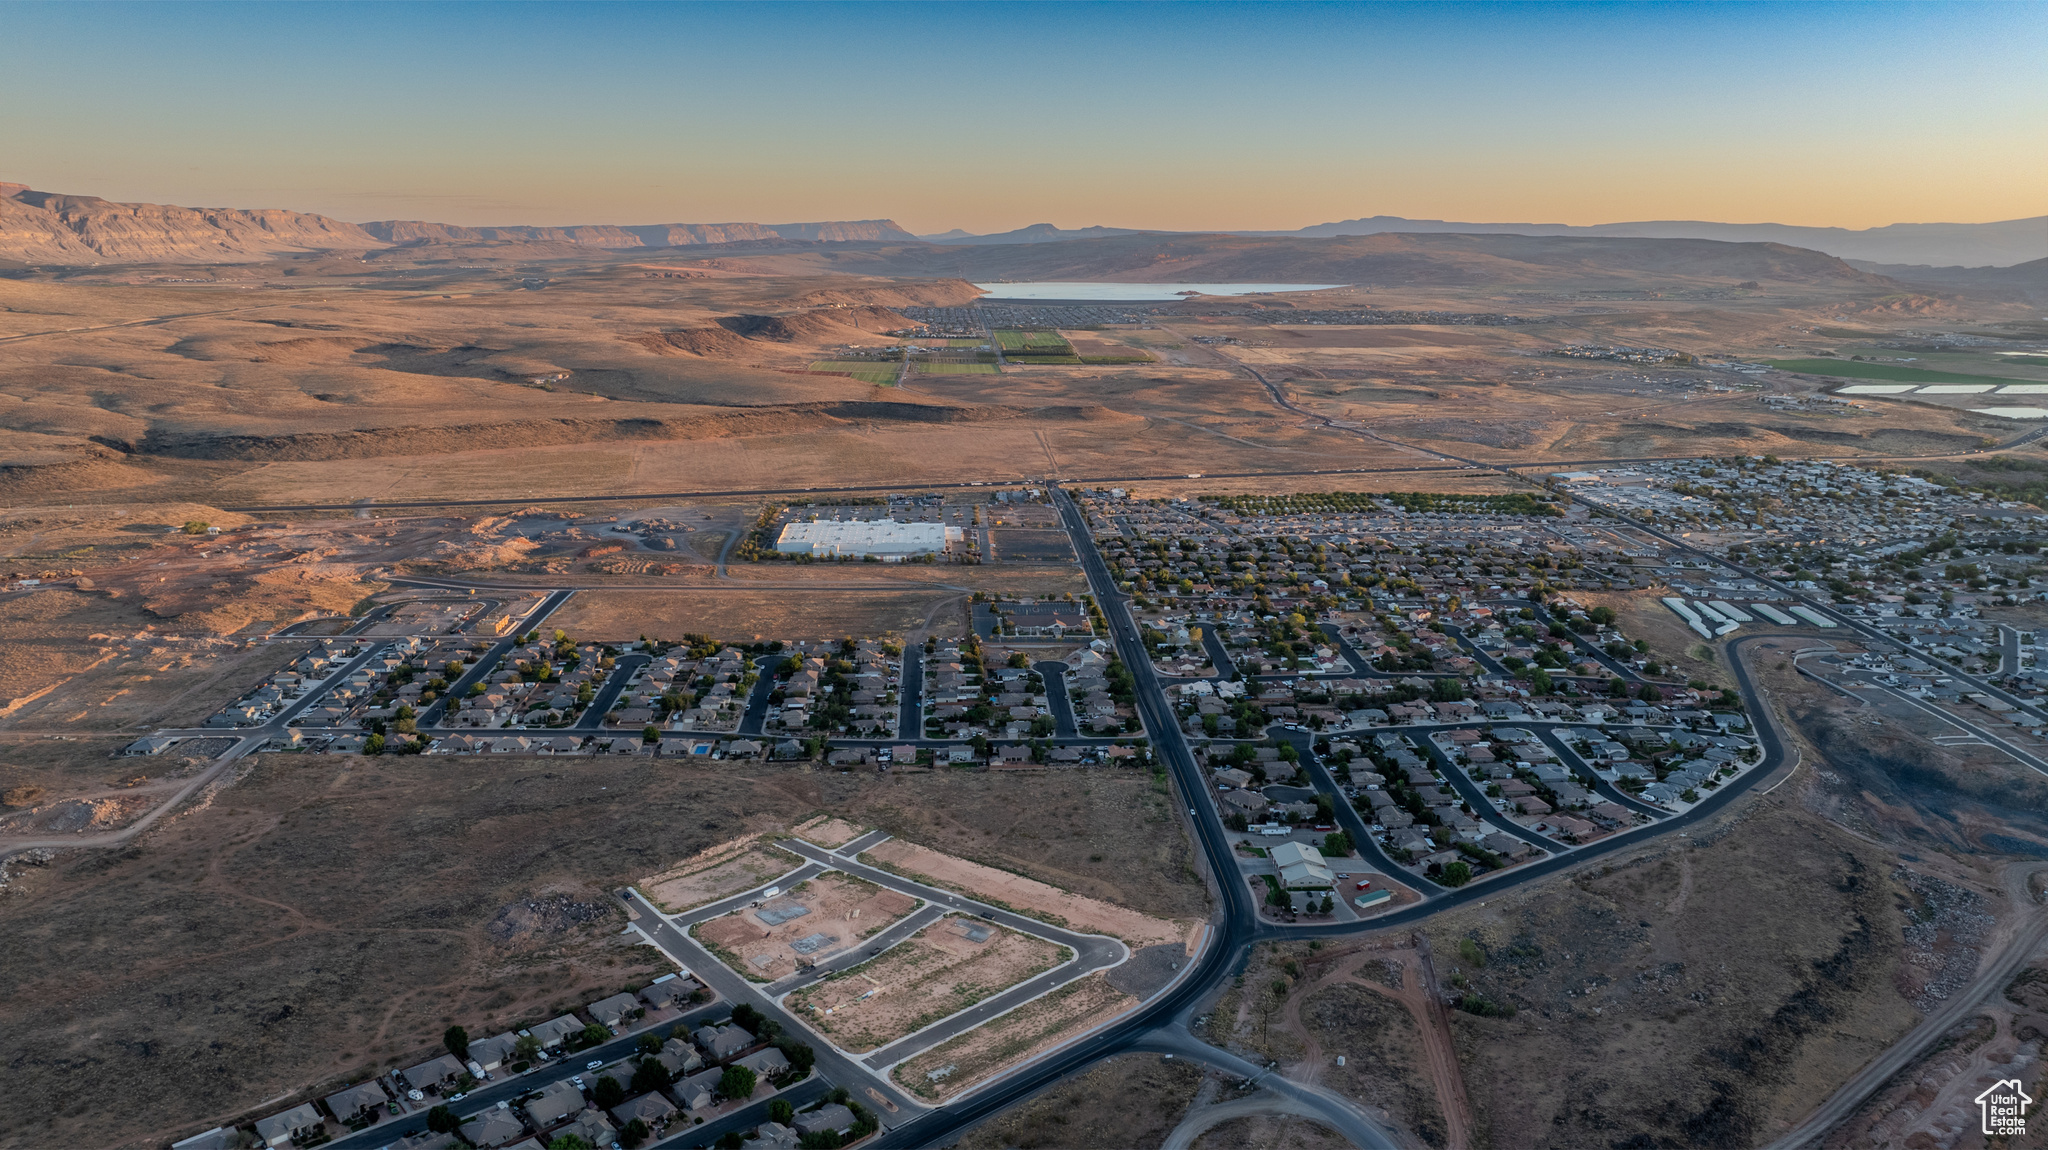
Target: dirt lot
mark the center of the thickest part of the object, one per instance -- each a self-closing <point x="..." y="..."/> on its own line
<point x="1270" y="1132"/>
<point x="1027" y="896"/>
<point x="941" y="970"/>
<point x="719" y="873"/>
<point x="814" y="919"/>
<point x="828" y="832"/>
<point x="750" y="615"/>
<point x="1132" y="1100"/>
<point x="952" y="1066"/>
<point x="1105" y="834"/>
<point x="327" y="918"/>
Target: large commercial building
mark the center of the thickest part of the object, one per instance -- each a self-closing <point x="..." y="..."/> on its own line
<point x="885" y="539"/>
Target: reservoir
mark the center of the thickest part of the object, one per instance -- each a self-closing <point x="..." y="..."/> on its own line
<point x="1131" y="293"/>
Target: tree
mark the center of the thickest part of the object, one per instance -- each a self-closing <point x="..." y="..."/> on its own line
<point x="737" y="1082"/>
<point x="779" y="1110"/>
<point x="1457" y="874"/>
<point x="747" y="1018"/>
<point x="595" y="1033"/>
<point x="649" y="1077"/>
<point x="571" y="1142"/>
<point x="650" y="734"/>
<point x="1329" y="904"/>
<point x="442" y="1120"/>
<point x="1617" y="688"/>
<point x="1019" y="659"/>
<point x="801" y="1056"/>
<point x="195" y="527"/>
<point x="1337" y="844"/>
<point x="731" y="1140"/>
<point x="374" y="745"/>
<point x="1539" y="681"/>
<point x="634" y="1133"/>
<point x="456" y="1039"/>
<point x="526" y="1048"/>
<point x="607" y="1092"/>
<point x="650" y="1044"/>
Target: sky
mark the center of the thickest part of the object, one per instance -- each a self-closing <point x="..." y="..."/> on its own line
<point x="1169" y="115"/>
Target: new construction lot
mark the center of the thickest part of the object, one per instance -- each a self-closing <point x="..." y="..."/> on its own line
<point x="809" y="922"/>
<point x="941" y="970"/>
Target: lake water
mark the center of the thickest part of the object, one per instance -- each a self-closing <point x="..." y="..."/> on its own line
<point x="1090" y="290"/>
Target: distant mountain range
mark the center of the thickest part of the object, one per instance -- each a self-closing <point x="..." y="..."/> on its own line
<point x="2001" y="244"/>
<point x="48" y="227"/>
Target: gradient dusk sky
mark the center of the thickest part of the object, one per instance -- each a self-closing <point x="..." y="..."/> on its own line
<point x="987" y="117"/>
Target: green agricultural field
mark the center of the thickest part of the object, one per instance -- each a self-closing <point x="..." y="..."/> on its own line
<point x="957" y="368"/>
<point x="865" y="370"/>
<point x="966" y="343"/>
<point x="1890" y="372"/>
<point x="1046" y="341"/>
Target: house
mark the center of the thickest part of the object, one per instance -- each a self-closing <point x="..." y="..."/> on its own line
<point x="299" y="1122"/>
<point x="222" y="1138"/>
<point x="1248" y="802"/>
<point x="765" y="1062"/>
<point x="1507" y="846"/>
<point x="831" y="1116"/>
<point x="1301" y="866"/>
<point x="1012" y="756"/>
<point x="592" y="1126"/>
<point x="427" y="1141"/>
<point x="435" y="1072"/>
<point x="613" y="1011"/>
<point x="495" y="1051"/>
<point x="669" y="990"/>
<point x="349" y="1105"/>
<point x="652" y="1109"/>
<point x="149" y="745"/>
<point x="554" y="1031"/>
<point x="698" y="1090"/>
<point x="493" y="1128"/>
<point x="722" y="1042"/>
<point x="557" y="1101"/>
<point x="767" y="1136"/>
<point x="678" y="1057"/>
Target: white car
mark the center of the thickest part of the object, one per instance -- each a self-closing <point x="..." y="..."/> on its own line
<point x="593" y="1064"/>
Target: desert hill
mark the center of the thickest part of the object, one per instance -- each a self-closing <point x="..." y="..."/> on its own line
<point x="46" y="227"/>
<point x="1999" y="244"/>
<point x="1404" y="259"/>
<point x="2020" y="281"/>
<point x="618" y="236"/>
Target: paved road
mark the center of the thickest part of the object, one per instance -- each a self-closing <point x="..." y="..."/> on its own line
<point x="1476" y="799"/>
<point x="1057" y="700"/>
<point x="2026" y="944"/>
<point x="623" y="670"/>
<point x="1485" y="660"/>
<point x="1354" y="823"/>
<point x="755" y="720"/>
<point x="509" y="1086"/>
<point x="1219" y="655"/>
<point x="480" y="670"/>
<point x="1092" y="952"/>
<point x="1587" y="775"/>
<point x="910" y="711"/>
<point x="670" y="937"/>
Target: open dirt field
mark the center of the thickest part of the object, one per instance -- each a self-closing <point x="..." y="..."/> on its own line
<point x="1106" y="835"/>
<point x="1038" y="1025"/>
<point x="1132" y="1100"/>
<point x="941" y="970"/>
<point x="695" y="882"/>
<point x="325" y="919"/>
<point x="827" y="832"/>
<point x="1270" y="1132"/>
<point x="748" y="615"/>
<point x="1028" y="896"/>
<point x="814" y="919"/>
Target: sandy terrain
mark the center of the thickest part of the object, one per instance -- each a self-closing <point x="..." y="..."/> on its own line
<point x="726" y="872"/>
<point x="827" y="831"/>
<point x="1027" y="896"/>
<point x="1132" y="1100"/>
<point x="1037" y="1026"/>
<point x="812" y="920"/>
<point x="939" y="971"/>
<point x="236" y="968"/>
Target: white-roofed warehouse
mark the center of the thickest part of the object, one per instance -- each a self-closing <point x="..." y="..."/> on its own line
<point x="882" y="538"/>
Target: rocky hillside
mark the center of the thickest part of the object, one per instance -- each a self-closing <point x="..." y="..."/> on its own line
<point x="46" y="227"/>
<point x="616" y="236"/>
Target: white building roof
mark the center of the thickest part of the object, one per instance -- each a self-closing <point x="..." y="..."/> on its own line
<point x="1301" y="865"/>
<point x="865" y="537"/>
